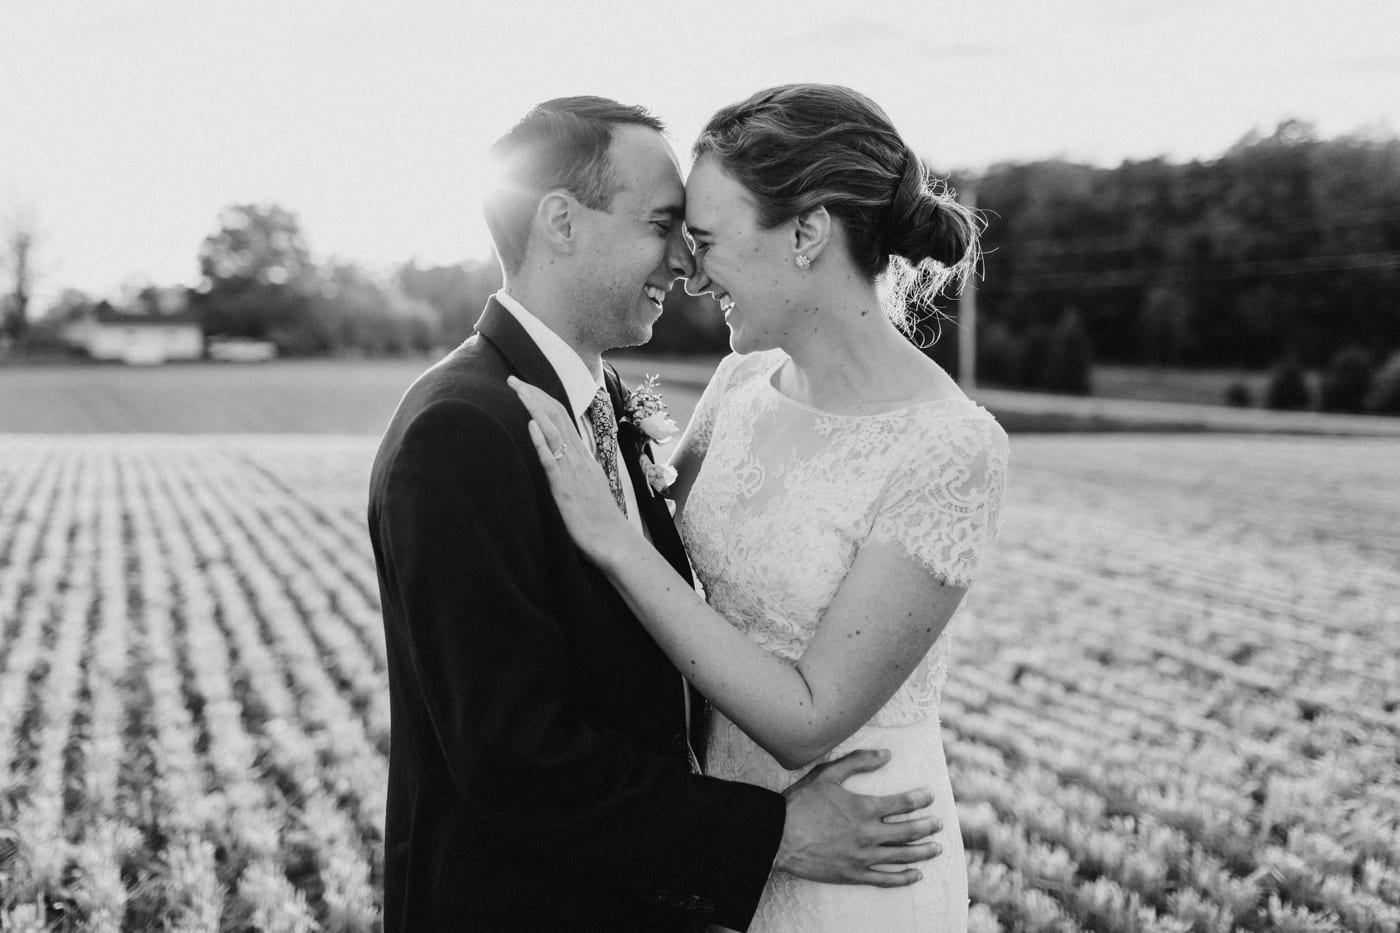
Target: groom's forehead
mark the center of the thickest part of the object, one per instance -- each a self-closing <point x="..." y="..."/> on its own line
<point x="643" y="150"/>
<point x="652" y="201"/>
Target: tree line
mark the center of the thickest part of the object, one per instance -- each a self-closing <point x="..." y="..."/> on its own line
<point x="1283" y="252"/>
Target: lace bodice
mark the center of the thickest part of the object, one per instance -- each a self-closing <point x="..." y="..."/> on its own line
<point x="785" y="500"/>
<point x="788" y="495"/>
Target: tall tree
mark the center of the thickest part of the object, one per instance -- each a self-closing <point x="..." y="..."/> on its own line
<point x="255" y="244"/>
<point x="258" y="279"/>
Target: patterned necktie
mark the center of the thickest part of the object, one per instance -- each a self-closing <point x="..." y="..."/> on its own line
<point x="604" y="421"/>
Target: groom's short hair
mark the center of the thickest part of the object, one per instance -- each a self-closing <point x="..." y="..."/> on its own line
<point x="560" y="144"/>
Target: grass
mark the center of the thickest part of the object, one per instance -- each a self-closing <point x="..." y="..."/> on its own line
<point x="286" y="396"/>
<point x="281" y="397"/>
<point x="359" y="396"/>
<point x="1166" y="384"/>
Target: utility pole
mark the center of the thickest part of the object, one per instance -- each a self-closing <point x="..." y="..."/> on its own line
<point x="967" y="312"/>
<point x="18" y="239"/>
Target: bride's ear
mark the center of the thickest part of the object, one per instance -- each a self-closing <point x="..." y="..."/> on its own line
<point x="811" y="232"/>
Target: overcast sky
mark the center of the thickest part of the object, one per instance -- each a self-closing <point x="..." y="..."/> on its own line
<point x="126" y="124"/>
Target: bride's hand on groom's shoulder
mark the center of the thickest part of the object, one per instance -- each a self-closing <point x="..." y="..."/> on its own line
<point x="836" y="836"/>
<point x="578" y="483"/>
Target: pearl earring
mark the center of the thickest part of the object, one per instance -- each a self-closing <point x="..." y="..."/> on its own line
<point x="803" y="262"/>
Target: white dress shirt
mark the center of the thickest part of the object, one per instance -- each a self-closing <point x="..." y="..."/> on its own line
<point x="580" y="385"/>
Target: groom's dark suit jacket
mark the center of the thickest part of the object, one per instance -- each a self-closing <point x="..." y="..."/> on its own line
<point x="538" y="777"/>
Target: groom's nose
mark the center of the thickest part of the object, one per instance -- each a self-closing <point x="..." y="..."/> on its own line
<point x="679" y="262"/>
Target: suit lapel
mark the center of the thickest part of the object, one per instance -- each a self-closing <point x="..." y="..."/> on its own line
<point x="664" y="538"/>
<point x="504" y="332"/>
<point x="500" y="328"/>
<point x="652" y="507"/>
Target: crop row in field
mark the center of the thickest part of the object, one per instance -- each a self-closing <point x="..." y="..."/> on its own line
<point x="192" y="668"/>
<point x="1174" y="701"/>
<point x="1178" y="698"/>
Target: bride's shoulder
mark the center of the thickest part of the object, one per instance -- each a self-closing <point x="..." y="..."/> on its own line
<point x="961" y="424"/>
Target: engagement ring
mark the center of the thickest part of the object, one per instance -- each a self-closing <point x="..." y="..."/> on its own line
<point x="559" y="454"/>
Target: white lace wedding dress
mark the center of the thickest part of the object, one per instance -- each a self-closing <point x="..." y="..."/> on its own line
<point x="785" y="498"/>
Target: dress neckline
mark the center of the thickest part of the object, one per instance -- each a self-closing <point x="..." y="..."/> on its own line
<point x="781" y="358"/>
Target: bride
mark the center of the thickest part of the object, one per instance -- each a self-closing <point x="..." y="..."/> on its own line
<point x="835" y="488"/>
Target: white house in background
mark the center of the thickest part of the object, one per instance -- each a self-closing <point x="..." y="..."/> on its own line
<point x="137" y="339"/>
<point x="241" y="350"/>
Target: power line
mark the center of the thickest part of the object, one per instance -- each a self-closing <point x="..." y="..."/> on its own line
<point x="1183" y="275"/>
<point x="1132" y="240"/>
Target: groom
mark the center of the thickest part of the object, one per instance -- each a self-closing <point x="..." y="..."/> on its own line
<point x="538" y="768"/>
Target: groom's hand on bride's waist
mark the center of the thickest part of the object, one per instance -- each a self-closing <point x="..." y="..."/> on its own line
<point x="834" y="835"/>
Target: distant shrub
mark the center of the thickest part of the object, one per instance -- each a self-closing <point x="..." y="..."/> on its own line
<point x="1055" y="359"/>
<point x="998" y="352"/>
<point x="1068" y="357"/>
<point x="1028" y="360"/>
<point x="1346" y="381"/>
<point x="1384" y="397"/>
<point x="1237" y="395"/>
<point x="1288" y="388"/>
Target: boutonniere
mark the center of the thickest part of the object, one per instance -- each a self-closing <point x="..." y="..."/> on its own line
<point x="644" y="407"/>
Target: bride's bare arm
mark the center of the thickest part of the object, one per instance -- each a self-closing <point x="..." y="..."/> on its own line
<point x="887" y="614"/>
<point x="883" y="620"/>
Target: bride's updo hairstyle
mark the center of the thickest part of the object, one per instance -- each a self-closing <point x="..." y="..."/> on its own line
<point x="801" y="146"/>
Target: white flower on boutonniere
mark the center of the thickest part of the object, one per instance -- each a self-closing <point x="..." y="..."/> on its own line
<point x="659" y="476"/>
<point x="645" y="408"/>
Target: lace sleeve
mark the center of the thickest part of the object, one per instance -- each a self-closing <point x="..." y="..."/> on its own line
<point x="702" y="422"/>
<point x="943" y="506"/>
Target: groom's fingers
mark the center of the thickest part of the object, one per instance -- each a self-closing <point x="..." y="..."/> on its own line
<point x="865" y="759"/>
<point x="902" y="832"/>
<point x="856" y="762"/>
<point x="887" y="879"/>
<point x="905" y="855"/>
<point x="899" y="804"/>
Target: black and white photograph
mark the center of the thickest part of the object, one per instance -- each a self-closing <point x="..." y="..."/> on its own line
<point x="558" y="467"/>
